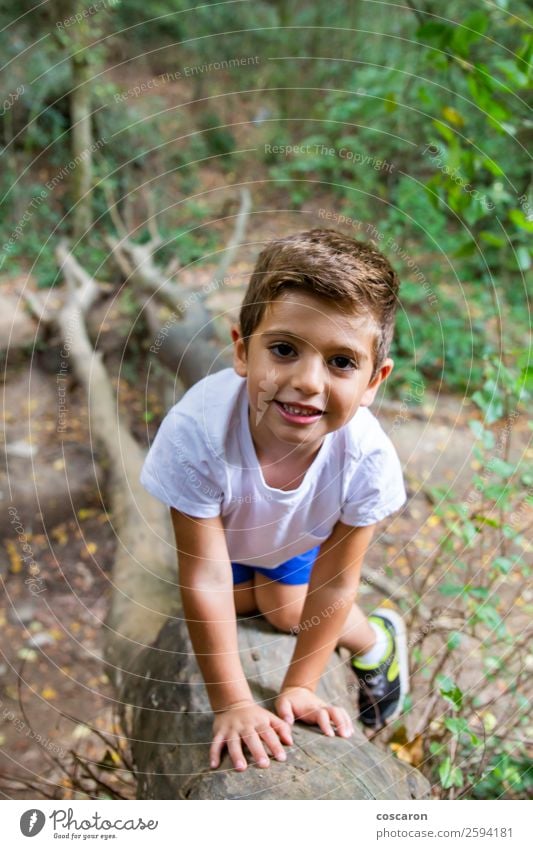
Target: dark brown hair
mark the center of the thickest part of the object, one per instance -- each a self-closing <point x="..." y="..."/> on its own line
<point x="330" y="265"/>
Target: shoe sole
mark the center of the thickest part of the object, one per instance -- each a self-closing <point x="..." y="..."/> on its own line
<point x="400" y="645"/>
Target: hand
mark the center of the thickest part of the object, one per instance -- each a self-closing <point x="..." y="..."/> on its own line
<point x="249" y="723"/>
<point x="301" y="703"/>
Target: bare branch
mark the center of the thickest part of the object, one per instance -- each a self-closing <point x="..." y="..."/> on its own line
<point x="113" y="212"/>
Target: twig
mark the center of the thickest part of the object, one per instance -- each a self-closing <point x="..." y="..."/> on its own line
<point x="113" y="212"/>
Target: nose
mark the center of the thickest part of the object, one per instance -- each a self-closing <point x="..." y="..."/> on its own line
<point x="308" y="376"/>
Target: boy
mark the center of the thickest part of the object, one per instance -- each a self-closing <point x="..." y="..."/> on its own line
<point x="276" y="474"/>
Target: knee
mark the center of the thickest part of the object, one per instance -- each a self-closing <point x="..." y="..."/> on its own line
<point x="285" y="619"/>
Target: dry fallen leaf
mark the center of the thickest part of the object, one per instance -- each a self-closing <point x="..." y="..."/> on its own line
<point x="49" y="693"/>
<point x="81" y="731"/>
<point x="14" y="557"/>
<point x="27" y="654"/>
<point x="411" y="752"/>
<point x="86" y="513"/>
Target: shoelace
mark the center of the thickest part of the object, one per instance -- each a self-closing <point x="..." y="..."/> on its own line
<point x="376" y="685"/>
<point x="375" y="705"/>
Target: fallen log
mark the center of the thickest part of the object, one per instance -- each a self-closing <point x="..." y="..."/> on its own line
<point x="171" y="730"/>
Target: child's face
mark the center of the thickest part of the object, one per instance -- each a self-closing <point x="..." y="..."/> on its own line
<point x="307" y="353"/>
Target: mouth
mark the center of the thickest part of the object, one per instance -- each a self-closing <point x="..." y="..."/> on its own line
<point x="299" y="413"/>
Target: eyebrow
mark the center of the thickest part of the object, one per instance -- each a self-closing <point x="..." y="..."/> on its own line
<point x="341" y="346"/>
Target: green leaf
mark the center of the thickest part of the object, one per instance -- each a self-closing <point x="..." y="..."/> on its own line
<point x="490" y="617"/>
<point x="479" y="592"/>
<point x="435" y="34"/>
<point x="445" y="770"/>
<point x="518" y="218"/>
<point x="454" y="640"/>
<point x="492" y="239"/>
<point x="451" y="589"/>
<point x="491" y="406"/>
<point x="456" y="724"/>
<point x="477" y="429"/>
<point x="444" y="131"/>
<point x="465" y="36"/>
<point x="453" y="695"/>
<point x="456" y="777"/>
<point x="450" y="776"/>
<point x="445" y="681"/>
<point x="486" y="520"/>
<point x="523" y="258"/>
<point x="501" y="468"/>
<point x="493" y="167"/>
<point x="503" y="565"/>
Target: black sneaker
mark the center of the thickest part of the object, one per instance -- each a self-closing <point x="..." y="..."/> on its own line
<point x="383" y="687"/>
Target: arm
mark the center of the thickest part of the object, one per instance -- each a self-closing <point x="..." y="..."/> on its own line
<point x="332" y="590"/>
<point x="207" y="595"/>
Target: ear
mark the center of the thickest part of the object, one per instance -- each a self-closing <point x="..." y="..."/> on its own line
<point x="373" y="386"/>
<point x="240" y="360"/>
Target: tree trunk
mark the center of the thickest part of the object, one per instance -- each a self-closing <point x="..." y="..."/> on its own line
<point x="169" y="722"/>
<point x="81" y="132"/>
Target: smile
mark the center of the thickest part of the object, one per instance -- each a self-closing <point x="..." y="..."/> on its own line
<point x="298" y="412"/>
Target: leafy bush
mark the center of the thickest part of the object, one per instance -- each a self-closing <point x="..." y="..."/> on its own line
<point x="472" y="735"/>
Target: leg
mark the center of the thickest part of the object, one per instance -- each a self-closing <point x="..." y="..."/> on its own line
<point x="243" y="588"/>
<point x="381" y="665"/>
<point x="280" y="593"/>
<point x="358" y="636"/>
<point x="244" y="597"/>
<point x="281" y="604"/>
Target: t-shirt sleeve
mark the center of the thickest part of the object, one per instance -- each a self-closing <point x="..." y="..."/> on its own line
<point x="181" y="469"/>
<point x="375" y="489"/>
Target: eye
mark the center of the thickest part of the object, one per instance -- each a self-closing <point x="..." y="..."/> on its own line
<point x="282" y="349"/>
<point x="343" y="363"/>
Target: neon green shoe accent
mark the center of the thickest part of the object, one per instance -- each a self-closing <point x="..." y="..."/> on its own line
<point x="390" y="646"/>
<point x="394" y="670"/>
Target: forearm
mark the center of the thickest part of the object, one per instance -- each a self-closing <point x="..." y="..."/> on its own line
<point x="325" y="612"/>
<point x="212" y="625"/>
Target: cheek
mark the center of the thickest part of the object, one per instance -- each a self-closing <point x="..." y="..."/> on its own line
<point x="347" y="401"/>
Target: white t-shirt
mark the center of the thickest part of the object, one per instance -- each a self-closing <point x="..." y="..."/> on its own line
<point x="203" y="463"/>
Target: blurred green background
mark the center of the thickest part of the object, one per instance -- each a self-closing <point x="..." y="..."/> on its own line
<point x="415" y="121"/>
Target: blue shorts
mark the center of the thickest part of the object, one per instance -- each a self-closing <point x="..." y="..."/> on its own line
<point x="297" y="570"/>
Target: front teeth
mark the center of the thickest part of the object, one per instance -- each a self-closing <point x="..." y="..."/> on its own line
<point x="297" y="411"/>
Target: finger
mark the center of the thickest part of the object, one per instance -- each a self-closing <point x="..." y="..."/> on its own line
<point x="285" y="710"/>
<point x="270" y="737"/>
<point x="324" y="723"/>
<point x="235" y="752"/>
<point x="257" y="749"/>
<point x="342" y="721"/>
<point x="282" y="730"/>
<point x="215" y="750"/>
